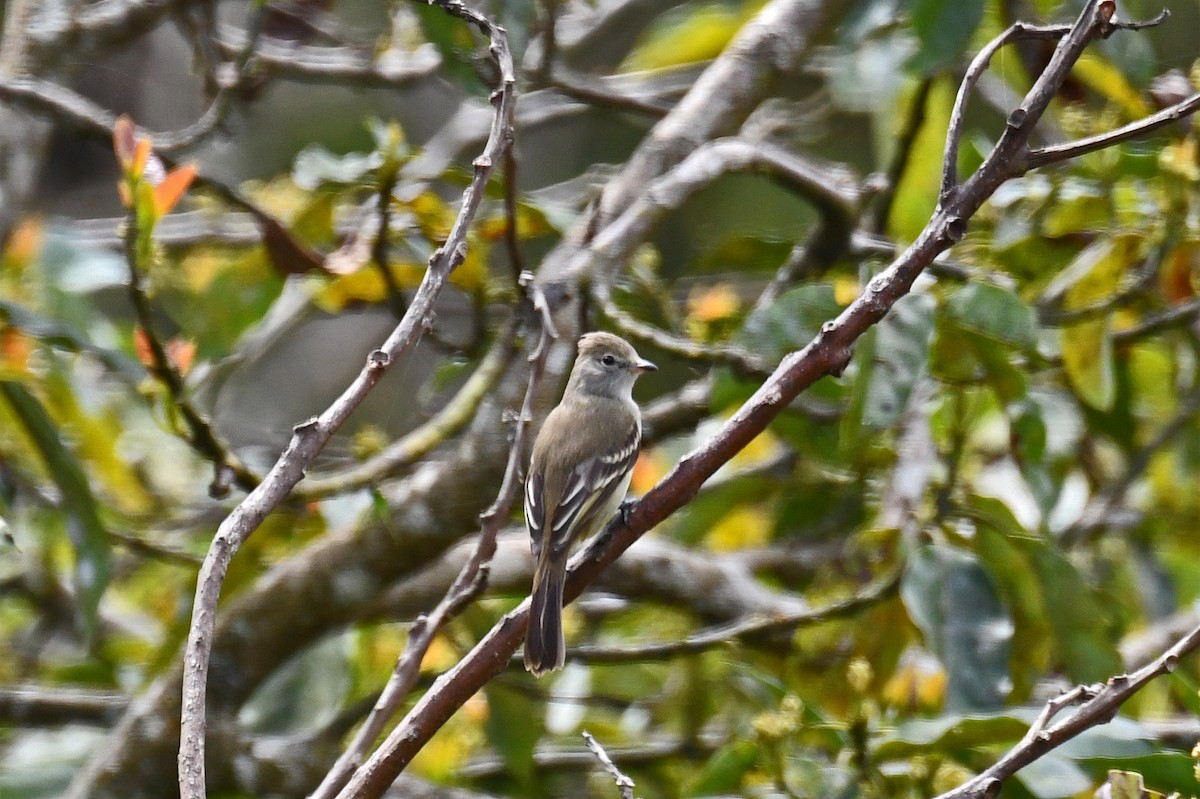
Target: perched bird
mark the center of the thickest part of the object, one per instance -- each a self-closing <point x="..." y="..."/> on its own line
<point x="582" y="462"/>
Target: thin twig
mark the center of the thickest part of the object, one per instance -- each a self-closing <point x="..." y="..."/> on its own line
<point x="310" y="437"/>
<point x="454" y="416"/>
<point x="1062" y="152"/>
<point x="737" y="630"/>
<point x="954" y="131"/>
<point x="620" y="779"/>
<point x="76" y="111"/>
<point x="200" y="434"/>
<point x="360" y="65"/>
<point x="227" y="88"/>
<point x="655" y="751"/>
<point x="469" y="584"/>
<point x="37" y="705"/>
<point x="828" y="187"/>
<point x="1099" y="704"/>
<point x="742" y="359"/>
<point x="382" y="243"/>
<point x="594" y="95"/>
<point x="1034" y="157"/>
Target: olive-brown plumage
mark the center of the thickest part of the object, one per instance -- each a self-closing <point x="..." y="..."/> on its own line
<point x="582" y="462"/>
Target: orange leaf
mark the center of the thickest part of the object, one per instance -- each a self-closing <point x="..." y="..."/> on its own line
<point x="15" y="348"/>
<point x="182" y="354"/>
<point x="1175" y="278"/>
<point x="141" y="153"/>
<point x="714" y="304"/>
<point x="141" y="346"/>
<point x="123" y="192"/>
<point x="167" y="193"/>
<point x="123" y="141"/>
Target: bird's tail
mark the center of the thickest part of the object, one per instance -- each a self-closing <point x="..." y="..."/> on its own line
<point x="545" y="649"/>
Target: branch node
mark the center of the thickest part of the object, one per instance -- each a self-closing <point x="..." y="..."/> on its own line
<point x="378" y="360"/>
<point x="223" y="476"/>
<point x="482" y="162"/>
<point x="1017" y="117"/>
<point x="307" y="427"/>
<point x="955" y="229"/>
<point x="841" y="359"/>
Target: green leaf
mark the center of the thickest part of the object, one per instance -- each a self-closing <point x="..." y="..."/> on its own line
<point x="894" y="357"/>
<point x="512" y="731"/>
<point x="724" y="770"/>
<point x="1166" y="772"/>
<point x="84" y="528"/>
<point x="1060" y="617"/>
<point x="995" y="313"/>
<point x="314" y="166"/>
<point x="456" y="44"/>
<point x="791" y="322"/>
<point x="1052" y="776"/>
<point x="944" y="29"/>
<point x="305" y="694"/>
<point x="953" y="599"/>
<point x="953" y="732"/>
<point x="684" y="35"/>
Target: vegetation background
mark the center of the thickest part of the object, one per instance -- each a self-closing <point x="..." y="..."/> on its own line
<point x="994" y="500"/>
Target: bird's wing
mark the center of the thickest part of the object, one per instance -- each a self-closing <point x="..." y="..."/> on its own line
<point x="589" y="487"/>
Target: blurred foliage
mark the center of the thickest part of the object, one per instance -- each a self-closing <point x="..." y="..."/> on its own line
<point x="1051" y="381"/>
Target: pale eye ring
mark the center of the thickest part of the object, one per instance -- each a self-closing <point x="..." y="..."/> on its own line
<point x="608" y="360"/>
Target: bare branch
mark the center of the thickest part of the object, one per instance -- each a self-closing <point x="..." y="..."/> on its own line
<point x="621" y="780"/>
<point x="310" y="437"/>
<point x="471" y="580"/>
<point x="41" y="706"/>
<point x="411" y="447"/>
<point x="740" y="629"/>
<point x="1062" y="152"/>
<point x="829" y="187"/>
<point x="1098" y="704"/>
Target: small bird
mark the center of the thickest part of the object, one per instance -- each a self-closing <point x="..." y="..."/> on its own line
<point x="582" y="462"/>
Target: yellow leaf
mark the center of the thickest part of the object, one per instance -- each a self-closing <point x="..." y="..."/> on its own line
<point x="24" y="244"/>
<point x="845" y="290"/>
<point x="1087" y="360"/>
<point x="647" y="471"/>
<point x="688" y="35"/>
<point x="1098" y="73"/>
<point x="743" y="527"/>
<point x="1181" y="159"/>
<point x="915" y="685"/>
<point x="713" y="304"/>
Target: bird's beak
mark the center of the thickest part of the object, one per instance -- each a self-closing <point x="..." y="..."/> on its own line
<point x="642" y="365"/>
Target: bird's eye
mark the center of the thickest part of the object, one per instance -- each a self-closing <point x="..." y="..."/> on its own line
<point x="608" y="360"/>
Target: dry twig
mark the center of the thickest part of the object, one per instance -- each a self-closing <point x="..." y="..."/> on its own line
<point x="310" y="437"/>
